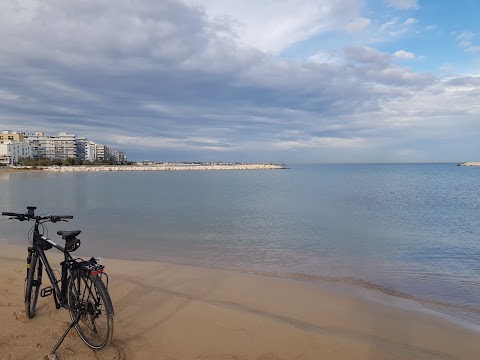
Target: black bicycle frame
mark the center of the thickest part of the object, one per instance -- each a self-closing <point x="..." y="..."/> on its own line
<point x="59" y="293"/>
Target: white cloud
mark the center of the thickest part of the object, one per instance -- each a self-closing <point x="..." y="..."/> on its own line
<point x="405" y="55"/>
<point x="402" y="4"/>
<point x="465" y="35"/>
<point x="389" y="24"/>
<point x="321" y="142"/>
<point x="324" y="57"/>
<point x="166" y="77"/>
<point x="473" y="49"/>
<point x="273" y="26"/>
<point x="358" y="24"/>
<point x="409" y="21"/>
<point x="364" y="54"/>
<point x="465" y="44"/>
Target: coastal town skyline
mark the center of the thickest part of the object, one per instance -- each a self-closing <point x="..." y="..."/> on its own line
<point x="18" y="145"/>
<point x="291" y="82"/>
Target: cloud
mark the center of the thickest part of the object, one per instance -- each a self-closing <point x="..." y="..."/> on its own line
<point x="274" y="26"/>
<point x="465" y="35"/>
<point x="464" y="44"/>
<point x="473" y="49"/>
<point x="405" y="55"/>
<point x="177" y="81"/>
<point x="409" y="21"/>
<point x="358" y="24"/>
<point x="365" y="54"/>
<point x="402" y="4"/>
<point x="389" y="24"/>
<point x="396" y="27"/>
<point x="325" y="57"/>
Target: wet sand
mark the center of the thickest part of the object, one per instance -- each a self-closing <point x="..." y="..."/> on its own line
<point x="166" y="311"/>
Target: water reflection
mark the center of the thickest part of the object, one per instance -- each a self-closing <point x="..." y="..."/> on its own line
<point x="410" y="228"/>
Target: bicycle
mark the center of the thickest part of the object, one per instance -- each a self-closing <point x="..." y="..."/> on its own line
<point x="82" y="290"/>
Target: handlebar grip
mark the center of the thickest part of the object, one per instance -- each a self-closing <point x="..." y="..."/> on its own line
<point x="4" y="213"/>
<point x="64" y="216"/>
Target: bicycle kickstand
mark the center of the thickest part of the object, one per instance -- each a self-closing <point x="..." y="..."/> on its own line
<point x="52" y="355"/>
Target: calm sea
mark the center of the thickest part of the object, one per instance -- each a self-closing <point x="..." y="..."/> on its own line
<point x="411" y="230"/>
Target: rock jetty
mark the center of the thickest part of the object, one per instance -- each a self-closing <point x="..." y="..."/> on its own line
<point x="473" y="163"/>
<point x="164" y="167"/>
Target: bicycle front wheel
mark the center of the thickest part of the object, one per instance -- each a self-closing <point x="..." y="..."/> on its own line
<point x="90" y="304"/>
<point x="33" y="282"/>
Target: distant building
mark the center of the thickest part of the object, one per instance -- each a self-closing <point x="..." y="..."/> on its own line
<point x="100" y="151"/>
<point x="90" y="151"/>
<point x="122" y="157"/>
<point x="7" y="135"/>
<point x="81" y="148"/>
<point x="64" y="146"/>
<point x="12" y="151"/>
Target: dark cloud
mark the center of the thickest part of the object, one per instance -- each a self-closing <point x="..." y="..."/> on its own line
<point x="162" y="77"/>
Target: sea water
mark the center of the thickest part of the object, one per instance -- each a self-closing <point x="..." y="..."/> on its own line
<point x="410" y="230"/>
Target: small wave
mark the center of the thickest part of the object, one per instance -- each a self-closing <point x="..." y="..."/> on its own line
<point x="464" y="312"/>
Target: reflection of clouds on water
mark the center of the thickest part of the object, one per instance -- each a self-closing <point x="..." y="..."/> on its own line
<point x="408" y="229"/>
<point x="19" y="189"/>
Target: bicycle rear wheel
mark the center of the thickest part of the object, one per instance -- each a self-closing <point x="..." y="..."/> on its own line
<point x="88" y="299"/>
<point x="33" y="282"/>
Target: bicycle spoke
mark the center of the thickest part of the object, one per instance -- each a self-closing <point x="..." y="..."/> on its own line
<point x="95" y="323"/>
<point x="86" y="296"/>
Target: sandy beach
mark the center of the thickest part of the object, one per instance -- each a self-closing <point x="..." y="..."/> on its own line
<point x="167" y="311"/>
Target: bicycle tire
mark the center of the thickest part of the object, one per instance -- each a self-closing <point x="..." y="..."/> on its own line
<point x="88" y="298"/>
<point x="32" y="289"/>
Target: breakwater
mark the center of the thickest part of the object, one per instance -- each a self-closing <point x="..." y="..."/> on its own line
<point x="471" y="163"/>
<point x="164" y="167"/>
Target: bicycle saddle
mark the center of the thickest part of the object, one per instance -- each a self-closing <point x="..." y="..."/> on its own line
<point x="65" y="234"/>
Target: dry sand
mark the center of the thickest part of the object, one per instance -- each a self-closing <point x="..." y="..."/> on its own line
<point x="165" y="311"/>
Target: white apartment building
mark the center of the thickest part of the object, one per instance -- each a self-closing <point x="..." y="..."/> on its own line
<point x="12" y="151"/>
<point x="90" y="151"/>
<point x="100" y="152"/>
<point x="62" y="146"/>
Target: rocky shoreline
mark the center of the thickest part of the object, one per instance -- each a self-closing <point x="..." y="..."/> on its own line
<point x="163" y="167"/>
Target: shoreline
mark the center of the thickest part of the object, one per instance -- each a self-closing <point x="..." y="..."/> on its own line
<point x="456" y="313"/>
<point x="160" y="167"/>
<point x="168" y="311"/>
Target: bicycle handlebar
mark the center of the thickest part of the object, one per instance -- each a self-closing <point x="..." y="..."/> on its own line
<point x="29" y="215"/>
<point x="10" y="214"/>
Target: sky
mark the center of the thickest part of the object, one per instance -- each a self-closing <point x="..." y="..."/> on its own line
<point x="285" y="81"/>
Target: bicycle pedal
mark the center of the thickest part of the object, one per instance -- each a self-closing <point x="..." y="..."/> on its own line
<point x="46" y="291"/>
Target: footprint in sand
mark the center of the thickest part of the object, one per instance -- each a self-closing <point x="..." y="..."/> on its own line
<point x="6" y="292"/>
<point x="8" y="304"/>
<point x="20" y="316"/>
